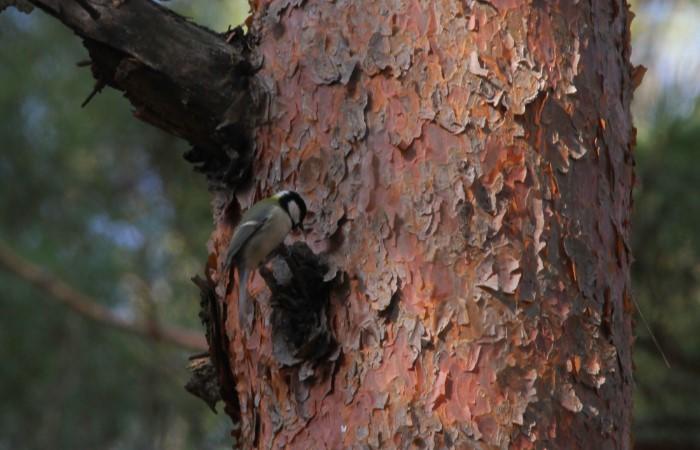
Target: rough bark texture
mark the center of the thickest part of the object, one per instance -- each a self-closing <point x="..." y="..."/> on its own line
<point x="469" y="169"/>
<point x="468" y="166"/>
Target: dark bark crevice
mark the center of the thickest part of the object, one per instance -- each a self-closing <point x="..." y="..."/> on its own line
<point x="299" y="298"/>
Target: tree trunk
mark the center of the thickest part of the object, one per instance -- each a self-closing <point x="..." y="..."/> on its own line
<point x="468" y="167"/>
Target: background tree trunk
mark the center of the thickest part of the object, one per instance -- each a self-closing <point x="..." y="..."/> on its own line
<point x="469" y="170"/>
<point x="468" y="166"/>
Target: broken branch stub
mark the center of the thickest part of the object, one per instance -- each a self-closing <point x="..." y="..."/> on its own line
<point x="204" y="380"/>
<point x="180" y="77"/>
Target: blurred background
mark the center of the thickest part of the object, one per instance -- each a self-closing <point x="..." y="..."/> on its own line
<point x="106" y="205"/>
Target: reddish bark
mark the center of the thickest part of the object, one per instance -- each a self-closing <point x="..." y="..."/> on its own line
<point x="469" y="170"/>
<point x="468" y="166"/>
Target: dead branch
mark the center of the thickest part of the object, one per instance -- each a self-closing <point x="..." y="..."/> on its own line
<point x="179" y="76"/>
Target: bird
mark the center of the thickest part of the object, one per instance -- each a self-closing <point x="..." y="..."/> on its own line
<point x="261" y="229"/>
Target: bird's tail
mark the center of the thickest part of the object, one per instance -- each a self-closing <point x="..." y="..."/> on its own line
<point x="245" y="307"/>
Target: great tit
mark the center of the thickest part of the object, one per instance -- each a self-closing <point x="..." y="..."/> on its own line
<point x="262" y="228"/>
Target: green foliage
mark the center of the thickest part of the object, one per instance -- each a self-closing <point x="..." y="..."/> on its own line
<point x="106" y="203"/>
<point x="667" y="281"/>
<point x="666" y="274"/>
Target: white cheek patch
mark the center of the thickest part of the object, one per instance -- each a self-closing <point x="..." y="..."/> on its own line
<point x="281" y="194"/>
<point x="294" y="212"/>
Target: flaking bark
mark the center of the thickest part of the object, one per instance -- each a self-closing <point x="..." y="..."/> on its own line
<point x="468" y="166"/>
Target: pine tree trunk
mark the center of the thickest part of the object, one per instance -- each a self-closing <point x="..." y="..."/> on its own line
<point x="468" y="166"/>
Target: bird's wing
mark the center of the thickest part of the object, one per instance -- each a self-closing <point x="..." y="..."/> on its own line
<point x="243" y="232"/>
